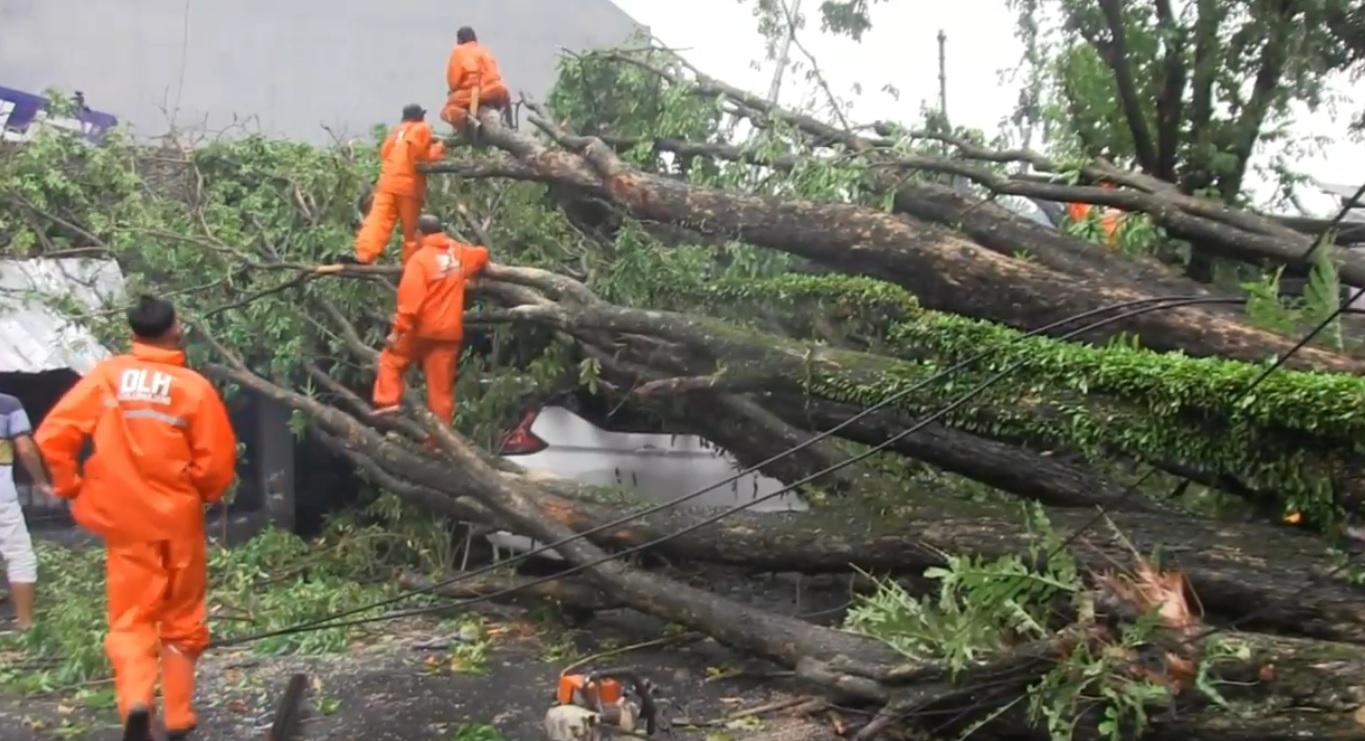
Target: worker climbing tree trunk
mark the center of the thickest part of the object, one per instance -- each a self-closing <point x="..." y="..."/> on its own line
<point x="473" y="80"/>
<point x="428" y="324"/>
<point x="402" y="187"/>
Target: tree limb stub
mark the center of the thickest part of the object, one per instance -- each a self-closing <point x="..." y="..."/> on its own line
<point x="943" y="270"/>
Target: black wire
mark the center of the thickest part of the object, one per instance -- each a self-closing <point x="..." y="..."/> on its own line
<point x="1342" y="308"/>
<point x="327" y="623"/>
<point x="744" y="472"/>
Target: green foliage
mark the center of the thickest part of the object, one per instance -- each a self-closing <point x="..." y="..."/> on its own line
<point x="983" y="608"/>
<point x="477" y="732"/>
<point x="273" y="581"/>
<point x="1322" y="296"/>
<point x="1117" y="398"/>
<point x="1288" y="51"/>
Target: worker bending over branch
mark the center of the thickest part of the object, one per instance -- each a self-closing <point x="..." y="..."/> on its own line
<point x="473" y="80"/>
<point x="164" y="448"/>
<point x="402" y="187"/>
<point x="428" y="324"/>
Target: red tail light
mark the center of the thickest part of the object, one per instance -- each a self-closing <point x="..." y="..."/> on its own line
<point x="521" y="441"/>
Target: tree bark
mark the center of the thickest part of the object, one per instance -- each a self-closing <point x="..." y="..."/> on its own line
<point x="1010" y="468"/>
<point x="1223" y="230"/>
<point x="1223" y="571"/>
<point x="709" y="348"/>
<point x="945" y="271"/>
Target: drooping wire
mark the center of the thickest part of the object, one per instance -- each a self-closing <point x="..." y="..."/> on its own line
<point x="892" y="399"/>
<point x="328" y="622"/>
<point x="1344" y="307"/>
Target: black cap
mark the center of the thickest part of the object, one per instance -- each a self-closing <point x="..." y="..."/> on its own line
<point x="413" y="112"/>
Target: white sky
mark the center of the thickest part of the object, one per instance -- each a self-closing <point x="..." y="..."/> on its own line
<point x="720" y="38"/>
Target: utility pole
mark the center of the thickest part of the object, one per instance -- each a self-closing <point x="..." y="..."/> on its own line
<point x="783" y="58"/>
<point x="943" y="75"/>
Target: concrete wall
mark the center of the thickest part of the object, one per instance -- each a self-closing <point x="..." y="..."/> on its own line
<point x="287" y="64"/>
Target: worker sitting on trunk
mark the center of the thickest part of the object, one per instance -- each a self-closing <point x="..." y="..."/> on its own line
<point x="473" y="80"/>
<point x="402" y="187"/>
<point x="428" y="324"/>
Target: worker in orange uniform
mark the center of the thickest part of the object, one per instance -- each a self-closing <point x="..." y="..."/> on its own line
<point x="428" y="324"/>
<point x="402" y="186"/>
<point x="473" y="80"/>
<point x="163" y="448"/>
<point x="1109" y="217"/>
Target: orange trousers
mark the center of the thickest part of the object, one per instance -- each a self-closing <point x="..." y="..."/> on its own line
<point x="439" y="360"/>
<point x="157" y="624"/>
<point x="386" y="211"/>
<point x="457" y="105"/>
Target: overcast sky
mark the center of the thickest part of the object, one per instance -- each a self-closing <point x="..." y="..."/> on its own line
<point x="719" y="37"/>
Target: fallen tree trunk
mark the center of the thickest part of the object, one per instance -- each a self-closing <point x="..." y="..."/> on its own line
<point x="1005" y="467"/>
<point x="1212" y="224"/>
<point x="850" y="666"/>
<point x="1218" y="440"/>
<point x="1229" y="568"/>
<point x="944" y="271"/>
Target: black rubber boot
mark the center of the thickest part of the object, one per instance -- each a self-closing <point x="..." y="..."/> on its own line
<point x="139" y="725"/>
<point x="179" y="735"/>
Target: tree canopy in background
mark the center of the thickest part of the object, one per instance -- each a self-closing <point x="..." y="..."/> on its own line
<point x="1037" y="546"/>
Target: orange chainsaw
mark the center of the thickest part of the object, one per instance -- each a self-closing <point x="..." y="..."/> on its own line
<point x="619" y="698"/>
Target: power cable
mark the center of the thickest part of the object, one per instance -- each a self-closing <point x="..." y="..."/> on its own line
<point x="1342" y="308"/>
<point x="736" y="476"/>
<point x="327" y="623"/>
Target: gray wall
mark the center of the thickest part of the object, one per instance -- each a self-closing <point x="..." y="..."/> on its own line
<point x="284" y="63"/>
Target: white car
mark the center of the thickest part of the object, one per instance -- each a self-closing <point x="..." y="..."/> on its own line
<point x="555" y="440"/>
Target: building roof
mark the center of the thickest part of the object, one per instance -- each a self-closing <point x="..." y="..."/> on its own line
<point x="35" y="337"/>
<point x="361" y="62"/>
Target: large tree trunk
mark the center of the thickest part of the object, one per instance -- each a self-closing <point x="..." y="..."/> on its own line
<point x="1040" y="414"/>
<point x="1209" y="224"/>
<point x="1223" y="571"/>
<point x="942" y="269"/>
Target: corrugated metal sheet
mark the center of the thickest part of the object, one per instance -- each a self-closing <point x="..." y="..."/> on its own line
<point x="35" y="338"/>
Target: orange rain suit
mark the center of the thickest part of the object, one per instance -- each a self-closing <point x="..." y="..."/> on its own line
<point x="429" y="322"/>
<point x="1109" y="218"/>
<point x="401" y="191"/>
<point x="473" y="81"/>
<point x="163" y="448"/>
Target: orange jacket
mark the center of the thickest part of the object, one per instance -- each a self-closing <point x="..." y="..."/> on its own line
<point x="163" y="447"/>
<point x="407" y="145"/>
<point x="431" y="292"/>
<point x="472" y="67"/>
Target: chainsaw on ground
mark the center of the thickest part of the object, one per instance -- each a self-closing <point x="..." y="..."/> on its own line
<point x="587" y="705"/>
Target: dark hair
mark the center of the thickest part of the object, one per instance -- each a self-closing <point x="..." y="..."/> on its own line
<point x="414" y="112"/>
<point x="465" y="35"/>
<point x="430" y="224"/>
<point x="151" y="317"/>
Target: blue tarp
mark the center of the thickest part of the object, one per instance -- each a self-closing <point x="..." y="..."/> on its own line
<point x="22" y="113"/>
